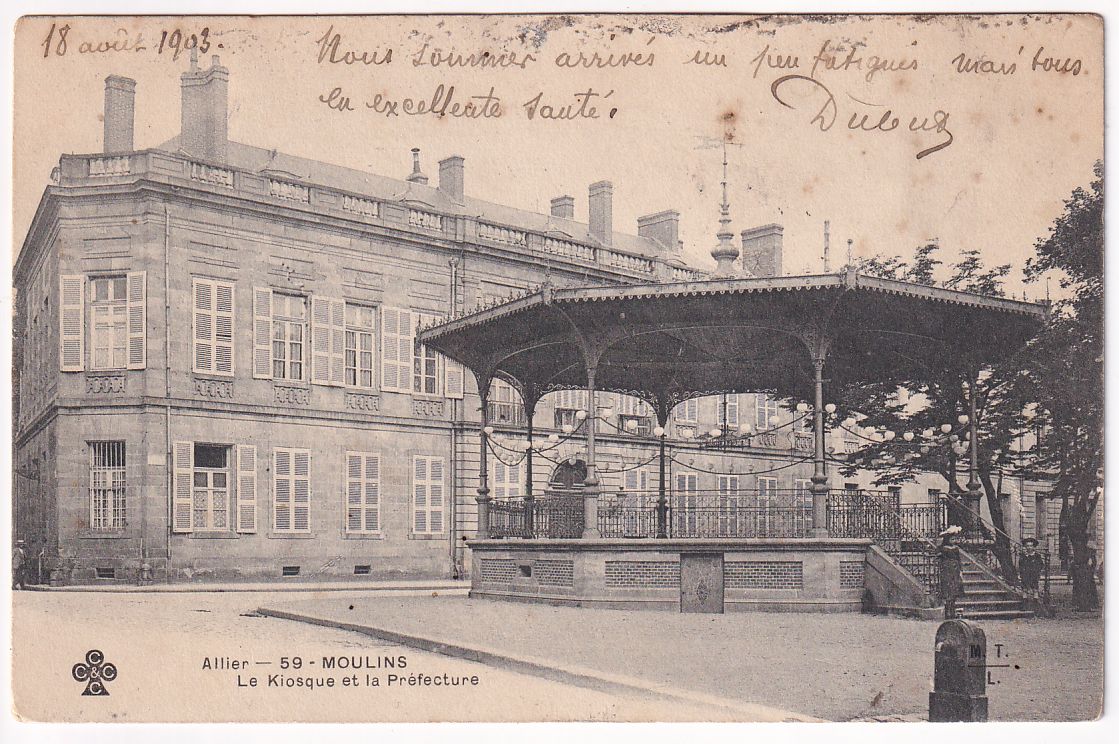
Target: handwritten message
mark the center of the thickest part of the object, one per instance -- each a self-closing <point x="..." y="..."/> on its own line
<point x="833" y="85"/>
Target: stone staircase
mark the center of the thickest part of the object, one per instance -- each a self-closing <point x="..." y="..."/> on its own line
<point x="986" y="598"/>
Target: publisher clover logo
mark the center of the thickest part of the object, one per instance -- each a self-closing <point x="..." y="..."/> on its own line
<point x="95" y="672"/>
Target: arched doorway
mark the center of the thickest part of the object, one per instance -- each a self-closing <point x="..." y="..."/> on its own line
<point x="568" y="476"/>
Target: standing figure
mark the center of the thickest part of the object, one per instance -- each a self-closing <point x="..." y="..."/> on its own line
<point x="19" y="565"/>
<point x="951" y="571"/>
<point x="1029" y="567"/>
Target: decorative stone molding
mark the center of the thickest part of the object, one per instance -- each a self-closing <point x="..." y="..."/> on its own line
<point x="99" y="384"/>
<point x="429" y="408"/>
<point x="220" y="389"/>
<point x="291" y="396"/>
<point x="211" y="174"/>
<point x="428" y="220"/>
<point x="363" y="402"/>
<point x="360" y="206"/>
<point x="290" y="191"/>
<point x="114" y="166"/>
<point x="501" y="234"/>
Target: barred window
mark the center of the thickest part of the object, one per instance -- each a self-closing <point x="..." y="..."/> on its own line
<point x="107" y="484"/>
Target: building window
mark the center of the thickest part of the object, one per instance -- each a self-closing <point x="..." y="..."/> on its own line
<point x="687" y="412"/>
<point x="731" y="409"/>
<point x="427" y="495"/>
<point x="507" y="480"/>
<point x="425" y="362"/>
<point x="685" y="516"/>
<point x="729" y="496"/>
<point x="211" y="487"/>
<point x="213" y="327"/>
<point x="107" y="483"/>
<point x="291" y="494"/>
<point x="109" y="322"/>
<point x="504" y="405"/>
<point x="638" y="425"/>
<point x="359" y="346"/>
<point x="363" y="492"/>
<point x="802" y="492"/>
<point x="566" y="404"/>
<point x="766" y="413"/>
<point x="289" y="330"/>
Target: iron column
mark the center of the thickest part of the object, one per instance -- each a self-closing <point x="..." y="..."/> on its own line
<point x="819" y="487"/>
<point x="590" y="489"/>
<point x="483" y="497"/>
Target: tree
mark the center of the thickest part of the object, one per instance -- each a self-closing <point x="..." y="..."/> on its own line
<point x="922" y="403"/>
<point x="1065" y="373"/>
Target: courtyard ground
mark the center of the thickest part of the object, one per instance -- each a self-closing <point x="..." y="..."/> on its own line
<point x="159" y="643"/>
<point x="833" y="666"/>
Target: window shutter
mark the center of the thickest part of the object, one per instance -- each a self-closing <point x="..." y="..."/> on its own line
<point x="224" y="339"/>
<point x="320" y="340"/>
<point x="71" y="320"/>
<point x="435" y="494"/>
<point x="262" y="333"/>
<point x="328" y="341"/>
<point x="182" y="488"/>
<point x="246" y="488"/>
<point x="281" y="490"/>
<point x="338" y="342"/>
<point x="419" y="494"/>
<point x="396" y="349"/>
<point x="203" y="325"/>
<point x="301" y="489"/>
<point x="363" y="497"/>
<point x="372" y="493"/>
<point x="453" y="379"/>
<point x="137" y="320"/>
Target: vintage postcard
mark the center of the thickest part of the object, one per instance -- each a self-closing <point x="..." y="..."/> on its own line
<point x="557" y="368"/>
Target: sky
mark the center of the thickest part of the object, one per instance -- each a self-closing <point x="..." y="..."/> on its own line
<point x="802" y="150"/>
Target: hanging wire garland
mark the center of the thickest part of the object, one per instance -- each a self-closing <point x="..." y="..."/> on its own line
<point x="786" y="466"/>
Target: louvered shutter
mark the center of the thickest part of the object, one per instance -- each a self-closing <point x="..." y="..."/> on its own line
<point x="71" y="323"/>
<point x="354" y="491"/>
<point x="203" y="323"/>
<point x="182" y="488"/>
<point x="396" y="349"/>
<point x="320" y="340"/>
<point x="281" y="490"/>
<point x="328" y="341"/>
<point x="137" y="320"/>
<point x="499" y="476"/>
<point x="224" y="339"/>
<point x="453" y="379"/>
<point x="301" y="490"/>
<point x="435" y="494"/>
<point x="246" y="488"/>
<point x="419" y="495"/>
<point x="262" y="333"/>
<point x="372" y="493"/>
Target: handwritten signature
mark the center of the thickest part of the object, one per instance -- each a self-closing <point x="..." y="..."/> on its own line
<point x="866" y="117"/>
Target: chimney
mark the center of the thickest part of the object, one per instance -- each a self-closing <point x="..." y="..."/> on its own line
<point x="451" y="172"/>
<point x="120" y="113"/>
<point x="416" y="176"/>
<point x="602" y="211"/>
<point x="663" y="227"/>
<point x="205" y="110"/>
<point x="761" y="250"/>
<point x="564" y="206"/>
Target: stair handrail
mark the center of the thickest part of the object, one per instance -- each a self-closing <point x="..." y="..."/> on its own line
<point x="903" y="531"/>
<point x="990" y="573"/>
<point x="1015" y="546"/>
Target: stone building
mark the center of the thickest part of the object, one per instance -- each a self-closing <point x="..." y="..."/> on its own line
<point x="217" y="375"/>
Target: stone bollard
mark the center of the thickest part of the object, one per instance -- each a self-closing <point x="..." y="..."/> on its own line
<point x="960" y="673"/>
